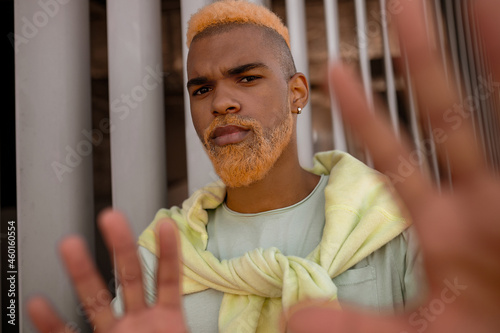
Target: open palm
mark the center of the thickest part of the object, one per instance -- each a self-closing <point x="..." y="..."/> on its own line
<point x="459" y="227"/>
<point x="165" y="315"/>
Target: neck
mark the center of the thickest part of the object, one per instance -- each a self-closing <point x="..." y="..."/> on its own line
<point x="285" y="184"/>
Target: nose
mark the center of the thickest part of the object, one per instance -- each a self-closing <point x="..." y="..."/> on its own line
<point x="224" y="100"/>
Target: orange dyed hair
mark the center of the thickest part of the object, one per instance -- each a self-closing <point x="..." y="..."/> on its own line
<point x="234" y="11"/>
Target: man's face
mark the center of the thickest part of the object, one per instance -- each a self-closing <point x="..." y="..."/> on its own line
<point x="240" y="103"/>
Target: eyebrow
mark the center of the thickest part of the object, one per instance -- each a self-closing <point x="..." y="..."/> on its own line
<point x="201" y="80"/>
<point x="245" y="68"/>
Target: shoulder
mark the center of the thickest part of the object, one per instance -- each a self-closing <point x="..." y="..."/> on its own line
<point x="384" y="280"/>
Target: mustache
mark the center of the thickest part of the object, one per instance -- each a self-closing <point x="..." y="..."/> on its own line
<point x="229" y="119"/>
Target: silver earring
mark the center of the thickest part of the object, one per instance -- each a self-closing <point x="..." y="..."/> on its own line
<point x="299" y="110"/>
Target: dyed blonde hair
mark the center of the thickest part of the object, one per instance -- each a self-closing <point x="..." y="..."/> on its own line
<point x="234" y="11"/>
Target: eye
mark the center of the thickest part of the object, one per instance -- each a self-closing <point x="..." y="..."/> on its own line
<point x="201" y="91"/>
<point x="250" y="78"/>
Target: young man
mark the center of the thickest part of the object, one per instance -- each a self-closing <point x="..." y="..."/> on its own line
<point x="271" y="233"/>
<point x="459" y="233"/>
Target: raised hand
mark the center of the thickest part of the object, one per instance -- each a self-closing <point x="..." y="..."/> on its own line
<point x="165" y="315"/>
<point x="460" y="231"/>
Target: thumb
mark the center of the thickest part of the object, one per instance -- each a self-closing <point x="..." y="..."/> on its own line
<point x="319" y="319"/>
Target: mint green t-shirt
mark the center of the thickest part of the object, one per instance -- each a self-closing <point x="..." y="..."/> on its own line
<point x="384" y="281"/>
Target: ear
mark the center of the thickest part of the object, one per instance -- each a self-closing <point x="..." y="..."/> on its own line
<point x="299" y="92"/>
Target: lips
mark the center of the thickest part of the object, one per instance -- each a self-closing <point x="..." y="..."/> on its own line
<point x="229" y="134"/>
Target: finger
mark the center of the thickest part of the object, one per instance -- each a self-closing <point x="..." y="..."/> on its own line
<point x="437" y="95"/>
<point x="375" y="133"/>
<point x="324" y="319"/>
<point x="45" y="318"/>
<point x="486" y="14"/>
<point x="120" y="241"/>
<point x="169" y="268"/>
<point x="91" y="290"/>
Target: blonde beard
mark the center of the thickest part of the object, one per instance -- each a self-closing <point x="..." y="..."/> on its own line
<point x="248" y="161"/>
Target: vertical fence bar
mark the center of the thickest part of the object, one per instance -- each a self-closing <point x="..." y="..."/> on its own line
<point x="296" y="22"/>
<point x="452" y="38"/>
<point x="333" y="45"/>
<point x="462" y="67"/>
<point x="364" y="58"/>
<point x="363" y="45"/>
<point x="138" y="156"/>
<point x="413" y="116"/>
<point x="200" y="169"/>
<point x="483" y="92"/>
<point x="474" y="75"/>
<point x="444" y="51"/>
<point x="434" y="165"/>
<point x="54" y="163"/>
<point x="467" y="59"/>
<point x="461" y="74"/>
<point x="480" y="105"/>
<point x="462" y="47"/>
<point x="389" y="71"/>
<point x="442" y="39"/>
